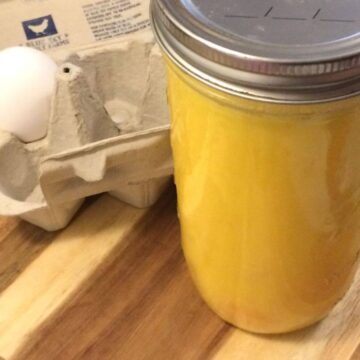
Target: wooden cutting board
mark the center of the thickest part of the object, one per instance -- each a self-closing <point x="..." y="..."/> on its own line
<point x="114" y="285"/>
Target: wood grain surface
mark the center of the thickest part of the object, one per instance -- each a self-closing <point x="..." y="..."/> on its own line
<point x="114" y="285"/>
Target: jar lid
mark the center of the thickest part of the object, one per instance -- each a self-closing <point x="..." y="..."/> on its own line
<point x="282" y="51"/>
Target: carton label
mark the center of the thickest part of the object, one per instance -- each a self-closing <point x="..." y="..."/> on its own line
<point x="58" y="26"/>
<point x="112" y="18"/>
<point x="39" y="27"/>
<point x="42" y="34"/>
<point x="48" y="43"/>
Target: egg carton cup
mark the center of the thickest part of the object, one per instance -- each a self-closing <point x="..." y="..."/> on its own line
<point x="108" y="132"/>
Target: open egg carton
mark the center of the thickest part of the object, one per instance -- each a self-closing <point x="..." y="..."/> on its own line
<point x="108" y="132"/>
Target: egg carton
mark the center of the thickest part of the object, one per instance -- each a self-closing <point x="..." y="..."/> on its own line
<point x="108" y="132"/>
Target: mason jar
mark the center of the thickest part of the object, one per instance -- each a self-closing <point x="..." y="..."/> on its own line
<point x="265" y="112"/>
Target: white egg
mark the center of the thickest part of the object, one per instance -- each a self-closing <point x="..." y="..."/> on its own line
<point x="27" y="83"/>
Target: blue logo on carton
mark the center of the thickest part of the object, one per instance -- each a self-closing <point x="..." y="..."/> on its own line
<point x="39" y="27"/>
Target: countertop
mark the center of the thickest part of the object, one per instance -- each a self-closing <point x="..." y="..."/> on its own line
<point x="114" y="285"/>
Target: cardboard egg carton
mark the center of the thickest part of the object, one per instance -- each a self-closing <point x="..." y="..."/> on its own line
<point x="108" y="132"/>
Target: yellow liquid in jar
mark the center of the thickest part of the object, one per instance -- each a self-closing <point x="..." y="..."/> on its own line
<point x="268" y="199"/>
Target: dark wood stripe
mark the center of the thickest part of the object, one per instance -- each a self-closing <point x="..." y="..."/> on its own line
<point x="7" y="225"/>
<point x="140" y="304"/>
<point x="217" y="341"/>
<point x="19" y="248"/>
<point x="21" y="243"/>
<point x="356" y="355"/>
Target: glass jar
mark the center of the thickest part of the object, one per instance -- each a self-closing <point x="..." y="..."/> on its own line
<point x="266" y="141"/>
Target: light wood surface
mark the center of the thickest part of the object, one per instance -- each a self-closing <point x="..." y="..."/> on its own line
<point x="114" y="285"/>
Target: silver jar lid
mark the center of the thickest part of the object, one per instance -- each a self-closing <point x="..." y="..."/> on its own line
<point x="280" y="50"/>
